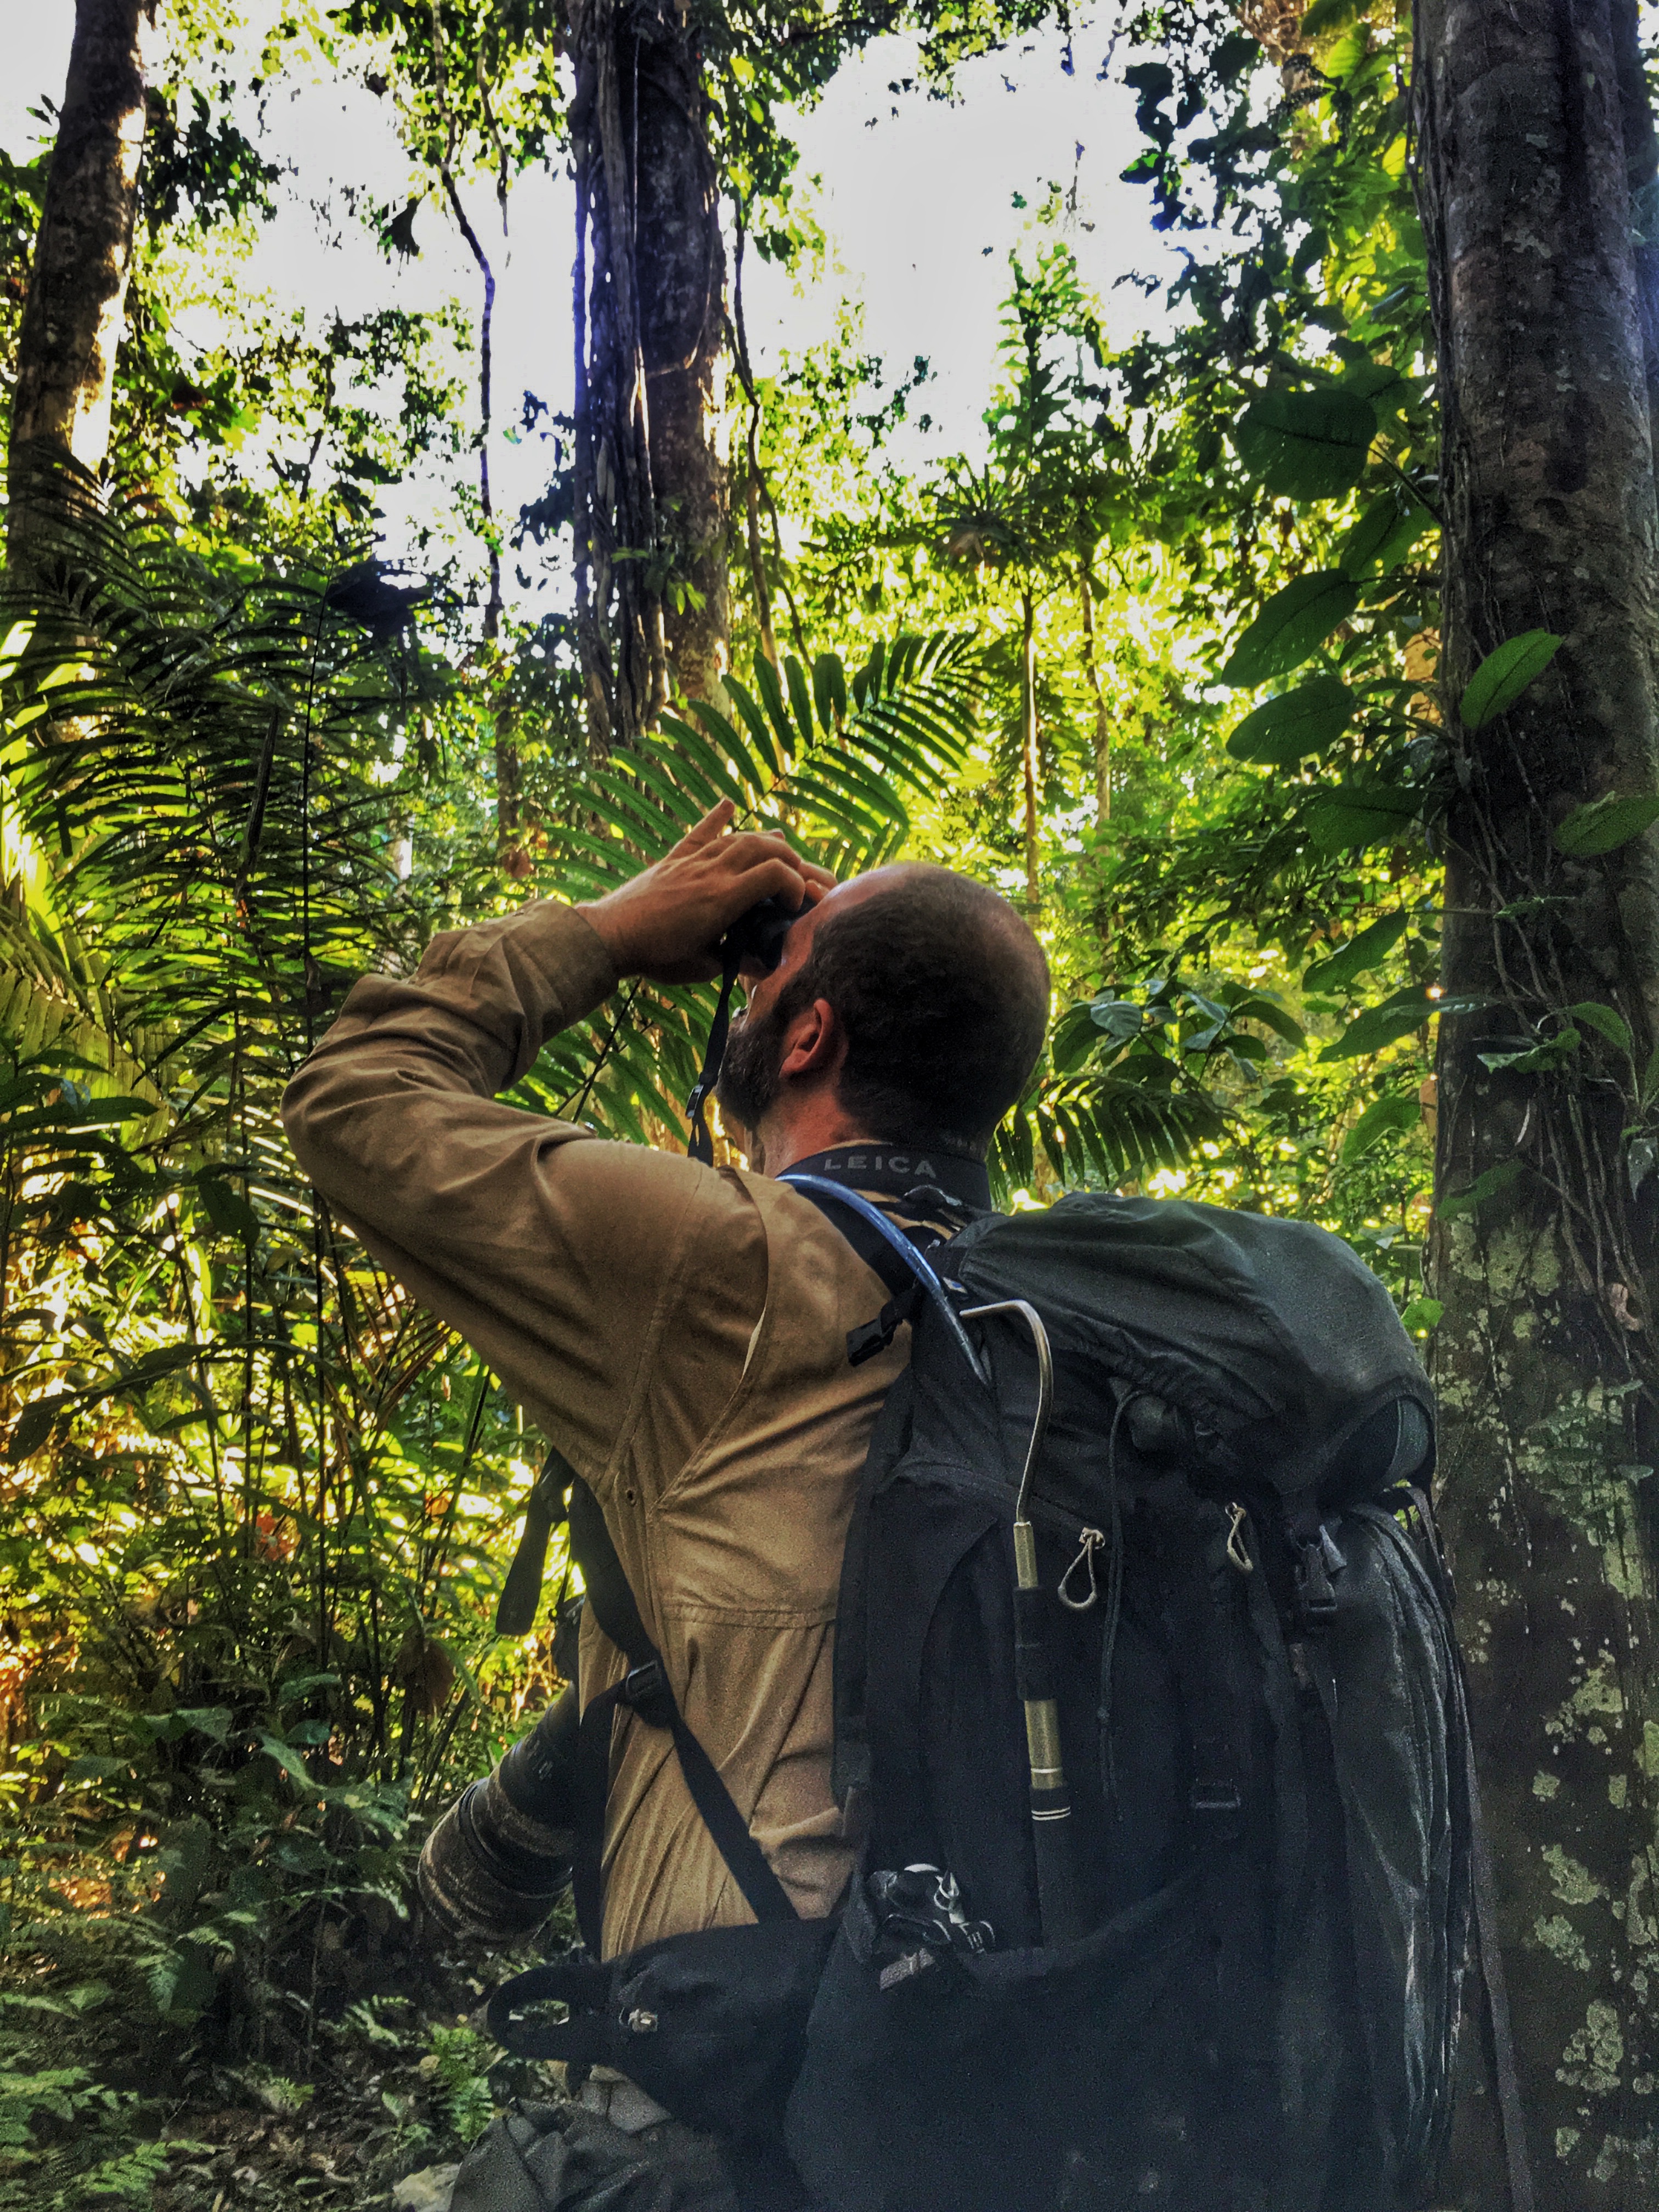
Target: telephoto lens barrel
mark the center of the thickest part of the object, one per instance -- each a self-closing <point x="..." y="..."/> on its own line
<point x="499" y="1861"/>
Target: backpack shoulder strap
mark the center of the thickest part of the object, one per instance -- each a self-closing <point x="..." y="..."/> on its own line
<point x="644" y="1689"/>
<point x="884" y="1247"/>
<point x="1511" y="2110"/>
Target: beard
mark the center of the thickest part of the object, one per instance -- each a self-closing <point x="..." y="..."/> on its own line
<point x="750" y="1084"/>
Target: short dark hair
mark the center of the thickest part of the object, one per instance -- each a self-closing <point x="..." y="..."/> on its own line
<point x="942" y="991"/>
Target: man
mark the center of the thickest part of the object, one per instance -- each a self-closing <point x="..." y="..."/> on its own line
<point x="680" y="1333"/>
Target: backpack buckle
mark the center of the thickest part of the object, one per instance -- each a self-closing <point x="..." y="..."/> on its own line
<point x="874" y="1336"/>
<point x="643" y="1686"/>
<point x="1318" y="1559"/>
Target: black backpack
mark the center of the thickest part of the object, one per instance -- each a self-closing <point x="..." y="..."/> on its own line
<point x="1150" y="1714"/>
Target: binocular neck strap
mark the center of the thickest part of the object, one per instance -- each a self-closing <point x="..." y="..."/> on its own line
<point x="701" y="1143"/>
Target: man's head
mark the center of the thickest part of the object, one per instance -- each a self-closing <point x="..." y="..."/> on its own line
<point x="910" y="1003"/>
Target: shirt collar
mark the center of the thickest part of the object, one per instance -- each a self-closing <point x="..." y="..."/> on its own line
<point x="900" y="1170"/>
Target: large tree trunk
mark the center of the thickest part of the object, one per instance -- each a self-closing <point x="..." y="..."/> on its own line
<point x="651" y="497"/>
<point x="72" y="319"/>
<point x="1546" y="1356"/>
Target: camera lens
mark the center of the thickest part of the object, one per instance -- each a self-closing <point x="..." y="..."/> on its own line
<point x="499" y="1860"/>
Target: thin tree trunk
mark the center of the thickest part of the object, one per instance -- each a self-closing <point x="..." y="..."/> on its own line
<point x="651" y="494"/>
<point x="751" y="477"/>
<point x="492" y="613"/>
<point x="1102" y="719"/>
<point x="1546" y="1356"/>
<point x="1029" y="752"/>
<point x="1103" y="919"/>
<point x="73" y="315"/>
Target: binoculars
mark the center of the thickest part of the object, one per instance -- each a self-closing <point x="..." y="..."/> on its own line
<point x="499" y="1861"/>
<point x="758" y="934"/>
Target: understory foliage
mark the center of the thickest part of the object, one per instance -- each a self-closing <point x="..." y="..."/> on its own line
<point x="1157" y="658"/>
<point x="259" y="1506"/>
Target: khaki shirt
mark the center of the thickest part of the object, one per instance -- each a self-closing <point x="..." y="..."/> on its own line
<point x="679" y="1332"/>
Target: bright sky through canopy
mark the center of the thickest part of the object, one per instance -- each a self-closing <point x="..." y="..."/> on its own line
<point x="920" y="201"/>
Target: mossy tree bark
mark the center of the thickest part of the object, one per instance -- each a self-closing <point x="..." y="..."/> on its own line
<point x="1545" y="1355"/>
<point x="651" y="491"/>
<point x="76" y="303"/>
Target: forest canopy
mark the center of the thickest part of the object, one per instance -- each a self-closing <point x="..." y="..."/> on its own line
<point x="319" y="638"/>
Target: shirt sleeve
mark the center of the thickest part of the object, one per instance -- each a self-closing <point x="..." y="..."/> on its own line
<point x="590" y="1276"/>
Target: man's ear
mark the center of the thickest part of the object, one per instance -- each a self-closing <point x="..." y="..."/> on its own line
<point x="814" y="1043"/>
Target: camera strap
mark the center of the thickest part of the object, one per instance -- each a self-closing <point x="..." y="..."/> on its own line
<point x="701" y="1143"/>
<point x="644" y="1691"/>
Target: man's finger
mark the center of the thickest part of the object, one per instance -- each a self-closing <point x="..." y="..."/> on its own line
<point x="779" y="879"/>
<point x="706" y="831"/>
<point x="749" y="849"/>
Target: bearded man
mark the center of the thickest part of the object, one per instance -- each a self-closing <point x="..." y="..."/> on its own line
<point x="679" y="1332"/>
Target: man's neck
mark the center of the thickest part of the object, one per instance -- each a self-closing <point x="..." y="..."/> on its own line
<point x="776" y="1148"/>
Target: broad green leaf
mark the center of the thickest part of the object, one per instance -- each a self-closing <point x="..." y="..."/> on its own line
<point x="228" y="1210"/>
<point x="1357" y="815"/>
<point x="1381" y="1118"/>
<point x="1307" y="445"/>
<point x="12" y="645"/>
<point x="1328" y="16"/>
<point x="1256" y="1008"/>
<point x="829" y="691"/>
<point x="166" y="1359"/>
<point x="1383" y="537"/>
<point x="34" y="1424"/>
<point x="1500" y="1178"/>
<point x="1349" y="52"/>
<point x="799" y="700"/>
<point x="288" y="1759"/>
<point x="1293" y="625"/>
<point x="1369" y="950"/>
<point x="213" y="1721"/>
<point x="755" y="722"/>
<point x="1119" y="1018"/>
<point x="1072" y="1039"/>
<point x="1379" y="1026"/>
<point x="1421" y="1316"/>
<point x="1503" y="676"/>
<point x="1545" y="1059"/>
<point x="1297" y="723"/>
<point x="96" y="1767"/>
<point x="101" y="1112"/>
<point x="1379" y="381"/>
<point x="1608" y="1020"/>
<point x="1605" y="824"/>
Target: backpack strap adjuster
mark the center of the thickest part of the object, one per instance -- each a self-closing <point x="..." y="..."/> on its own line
<point x="1218" y="1809"/>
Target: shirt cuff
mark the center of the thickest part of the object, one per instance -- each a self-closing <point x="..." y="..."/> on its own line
<point x="555" y="963"/>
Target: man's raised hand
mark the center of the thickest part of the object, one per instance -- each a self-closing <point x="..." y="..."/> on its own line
<point x="667" y="923"/>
